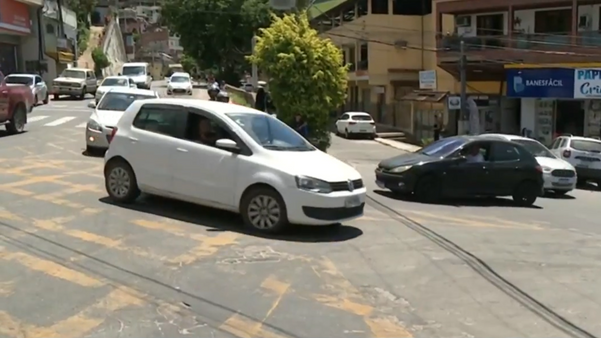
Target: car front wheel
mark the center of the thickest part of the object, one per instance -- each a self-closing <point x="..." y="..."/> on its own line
<point x="526" y="193"/>
<point x="263" y="209"/>
<point x="120" y="182"/>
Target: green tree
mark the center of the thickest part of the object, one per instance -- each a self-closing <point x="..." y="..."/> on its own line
<point x="217" y="33"/>
<point x="306" y="73"/>
<point x="100" y="60"/>
<point x="189" y="64"/>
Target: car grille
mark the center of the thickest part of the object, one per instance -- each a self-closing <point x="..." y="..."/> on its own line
<point x="587" y="159"/>
<point x="344" y="186"/>
<point x="563" y="173"/>
<point x="67" y="84"/>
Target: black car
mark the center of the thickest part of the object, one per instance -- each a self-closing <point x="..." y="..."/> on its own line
<point x="464" y="166"/>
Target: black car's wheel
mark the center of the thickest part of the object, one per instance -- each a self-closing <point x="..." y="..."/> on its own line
<point x="55" y="96"/>
<point x="263" y="209"/>
<point x="526" y="193"/>
<point x="560" y="192"/>
<point x="120" y="182"/>
<point x="46" y="99"/>
<point x="427" y="189"/>
<point x="17" y="123"/>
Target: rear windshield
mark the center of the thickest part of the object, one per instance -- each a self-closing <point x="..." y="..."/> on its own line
<point x="120" y="101"/>
<point x="584" y="145"/>
<point x="15" y="79"/>
<point x="115" y="82"/>
<point x="361" y="118"/>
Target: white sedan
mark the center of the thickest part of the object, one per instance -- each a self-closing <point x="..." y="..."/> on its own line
<point x="112" y="82"/>
<point x="179" y="83"/>
<point x="356" y="124"/>
<point x="107" y="113"/>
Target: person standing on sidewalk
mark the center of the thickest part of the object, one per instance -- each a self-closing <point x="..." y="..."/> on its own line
<point x="438" y="127"/>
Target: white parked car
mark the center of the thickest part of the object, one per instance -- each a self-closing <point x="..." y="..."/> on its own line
<point x="356" y="124"/>
<point x="179" y="83"/>
<point x="112" y="82"/>
<point x="583" y="153"/>
<point x="229" y="157"/>
<point x="34" y="82"/>
<point x="107" y="113"/>
<point x="75" y="82"/>
<point x="559" y="175"/>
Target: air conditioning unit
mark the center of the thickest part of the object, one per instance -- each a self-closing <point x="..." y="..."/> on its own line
<point x="463" y="21"/>
<point x="400" y="44"/>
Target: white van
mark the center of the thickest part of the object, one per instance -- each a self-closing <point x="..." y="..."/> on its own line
<point x="139" y="72"/>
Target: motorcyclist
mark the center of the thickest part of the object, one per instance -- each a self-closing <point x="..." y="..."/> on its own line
<point x="223" y="97"/>
<point x="213" y="91"/>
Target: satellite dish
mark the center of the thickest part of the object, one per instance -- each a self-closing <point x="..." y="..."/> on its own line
<point x="282" y="5"/>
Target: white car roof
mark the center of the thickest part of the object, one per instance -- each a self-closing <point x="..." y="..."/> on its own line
<point x="79" y="69"/>
<point x="213" y="106"/>
<point x="135" y="64"/>
<point x="357" y="113"/>
<point x="507" y="137"/>
<point x="581" y="138"/>
<point x="180" y="74"/>
<point x="21" y="75"/>
<point x="117" y="77"/>
<point x="129" y="90"/>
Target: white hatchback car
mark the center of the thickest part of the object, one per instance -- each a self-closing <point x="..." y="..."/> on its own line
<point x="559" y="175"/>
<point x="584" y="153"/>
<point x="112" y="82"/>
<point x="179" y="83"/>
<point x="356" y="123"/>
<point x="107" y="113"/>
<point x="229" y="157"/>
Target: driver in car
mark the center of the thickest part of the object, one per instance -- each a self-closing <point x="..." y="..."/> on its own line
<point x="474" y="155"/>
<point x="206" y="135"/>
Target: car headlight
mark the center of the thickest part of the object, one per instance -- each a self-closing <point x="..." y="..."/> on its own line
<point x="401" y="169"/>
<point x="313" y="185"/>
<point x="95" y="126"/>
<point x="547" y="170"/>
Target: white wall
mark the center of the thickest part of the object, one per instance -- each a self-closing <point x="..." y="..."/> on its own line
<point x="528" y="115"/>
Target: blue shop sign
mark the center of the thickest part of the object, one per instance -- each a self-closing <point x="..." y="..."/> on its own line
<point x="540" y="83"/>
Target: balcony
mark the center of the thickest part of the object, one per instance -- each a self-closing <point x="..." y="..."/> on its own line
<point x="522" y="48"/>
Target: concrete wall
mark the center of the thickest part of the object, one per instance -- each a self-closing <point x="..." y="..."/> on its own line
<point x="30" y="46"/>
<point x="114" y="48"/>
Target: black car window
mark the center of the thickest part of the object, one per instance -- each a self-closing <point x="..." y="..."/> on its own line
<point x="442" y="147"/>
<point x="344" y="117"/>
<point x="564" y="143"/>
<point x="505" y="152"/>
<point x="483" y="148"/>
<point x="162" y="119"/>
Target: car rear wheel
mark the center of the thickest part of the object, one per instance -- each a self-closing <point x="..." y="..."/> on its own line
<point x="83" y="93"/>
<point x="46" y="99"/>
<point x="526" y="193"/>
<point x="18" y="121"/>
<point x="427" y="189"/>
<point x="346" y="133"/>
<point x="560" y="192"/>
<point x="263" y="209"/>
<point x="120" y="182"/>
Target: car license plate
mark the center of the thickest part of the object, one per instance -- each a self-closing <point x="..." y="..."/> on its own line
<point x="352" y="202"/>
<point x="381" y="184"/>
<point x="564" y="180"/>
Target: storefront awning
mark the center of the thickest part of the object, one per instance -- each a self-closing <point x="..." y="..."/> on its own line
<point x="425" y="96"/>
<point x="62" y="57"/>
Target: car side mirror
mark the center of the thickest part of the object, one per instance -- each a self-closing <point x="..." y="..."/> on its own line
<point x="227" y="144"/>
<point x="92" y="105"/>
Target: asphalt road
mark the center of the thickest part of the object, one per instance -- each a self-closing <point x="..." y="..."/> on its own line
<point x="73" y="265"/>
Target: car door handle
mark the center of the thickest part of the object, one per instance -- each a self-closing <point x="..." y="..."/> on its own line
<point x="133" y="139"/>
<point x="182" y="150"/>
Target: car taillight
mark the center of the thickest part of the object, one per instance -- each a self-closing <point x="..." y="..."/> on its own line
<point x="539" y="169"/>
<point x="352" y="123"/>
<point x="113" y="133"/>
<point x="567" y="153"/>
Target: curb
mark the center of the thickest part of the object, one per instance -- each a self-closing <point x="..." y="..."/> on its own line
<point x="397" y="145"/>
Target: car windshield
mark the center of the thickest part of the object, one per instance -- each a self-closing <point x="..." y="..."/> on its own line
<point x="535" y="148"/>
<point x="16" y="79"/>
<point x="115" y="82"/>
<point x="180" y="79"/>
<point x="78" y="74"/>
<point x="270" y="132"/>
<point x="120" y="101"/>
<point x="361" y="118"/>
<point x="442" y="147"/>
<point x="585" y="145"/>
<point x="134" y="70"/>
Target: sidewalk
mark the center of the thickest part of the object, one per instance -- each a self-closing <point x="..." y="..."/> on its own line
<point x="398" y="145"/>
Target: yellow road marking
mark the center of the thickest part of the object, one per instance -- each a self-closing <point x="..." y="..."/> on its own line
<point x="50" y="268"/>
<point x="9" y="216"/>
<point x="350" y="300"/>
<point x="208" y="246"/>
<point x="75" y="326"/>
<point x="243" y="327"/>
<point x="7" y="288"/>
<point x="55" y="226"/>
<point x="32" y="180"/>
<point x="169" y="227"/>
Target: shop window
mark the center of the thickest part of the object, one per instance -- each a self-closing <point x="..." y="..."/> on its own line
<point x="557" y="21"/>
<point x="379" y="6"/>
<point x="50" y="29"/>
<point x="361" y="8"/>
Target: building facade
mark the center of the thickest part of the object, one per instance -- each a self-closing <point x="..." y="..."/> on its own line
<point x="59" y="27"/>
<point x="535" y="57"/>
<point x="20" y="47"/>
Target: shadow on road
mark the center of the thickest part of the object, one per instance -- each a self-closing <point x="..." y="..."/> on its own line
<point x="218" y="220"/>
<point x="4" y="133"/>
<point x="485" y="202"/>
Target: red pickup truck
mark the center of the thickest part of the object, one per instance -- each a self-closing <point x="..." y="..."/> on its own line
<point x="15" y="103"/>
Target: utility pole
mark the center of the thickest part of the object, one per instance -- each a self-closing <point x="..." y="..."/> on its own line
<point x="463" y="79"/>
<point x="255" y="70"/>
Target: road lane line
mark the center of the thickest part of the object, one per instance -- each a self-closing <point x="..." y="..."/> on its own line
<point x="349" y="299"/>
<point x="50" y="268"/>
<point x="7" y="288"/>
<point x="11" y="327"/>
<point x="484" y="223"/>
<point x="36" y="118"/>
<point x="60" y="121"/>
<point x="32" y="180"/>
<point x="54" y="225"/>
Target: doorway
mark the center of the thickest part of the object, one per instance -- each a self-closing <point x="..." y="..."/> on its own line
<point x="569" y="117"/>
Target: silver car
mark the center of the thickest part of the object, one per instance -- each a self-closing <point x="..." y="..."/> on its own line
<point x="35" y="82"/>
